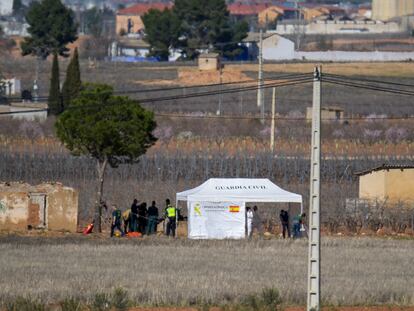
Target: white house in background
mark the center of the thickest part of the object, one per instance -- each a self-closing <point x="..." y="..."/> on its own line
<point x="12" y="27"/>
<point x="275" y="47"/>
<point x="130" y="47"/>
<point x="136" y="47"/>
<point x="6" y="7"/>
<point x="11" y="86"/>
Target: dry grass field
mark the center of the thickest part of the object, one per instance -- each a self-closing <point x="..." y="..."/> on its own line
<point x="389" y="69"/>
<point x="159" y="271"/>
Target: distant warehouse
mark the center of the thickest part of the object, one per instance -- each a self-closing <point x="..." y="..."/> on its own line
<point x="49" y="206"/>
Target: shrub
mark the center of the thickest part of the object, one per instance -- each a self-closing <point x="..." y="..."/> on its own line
<point x="25" y="304"/>
<point x="120" y="299"/>
<point x="101" y="302"/>
<point x="71" y="304"/>
<point x="268" y="300"/>
<point x="271" y="297"/>
<point x="252" y="302"/>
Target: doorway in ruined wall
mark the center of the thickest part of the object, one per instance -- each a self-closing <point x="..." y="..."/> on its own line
<point x="37" y="211"/>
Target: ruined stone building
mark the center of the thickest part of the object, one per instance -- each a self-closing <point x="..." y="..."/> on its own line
<point x="387" y="183"/>
<point x="49" y="206"/>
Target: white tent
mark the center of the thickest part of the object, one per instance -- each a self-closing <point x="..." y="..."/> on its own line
<point x="216" y="209"/>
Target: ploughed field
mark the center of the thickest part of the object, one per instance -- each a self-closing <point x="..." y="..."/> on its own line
<point x="161" y="271"/>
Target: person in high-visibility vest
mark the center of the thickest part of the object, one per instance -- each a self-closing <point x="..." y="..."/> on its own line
<point x="126" y="217"/>
<point x="171" y="217"/>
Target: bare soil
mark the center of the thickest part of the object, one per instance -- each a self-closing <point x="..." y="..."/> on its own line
<point x="188" y="76"/>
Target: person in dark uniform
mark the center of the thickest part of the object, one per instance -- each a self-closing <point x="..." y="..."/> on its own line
<point x="152" y="218"/>
<point x="134" y="216"/>
<point x="142" y="217"/>
<point x="284" y="220"/>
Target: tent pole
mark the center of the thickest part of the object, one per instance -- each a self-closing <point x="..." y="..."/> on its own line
<point x="176" y="217"/>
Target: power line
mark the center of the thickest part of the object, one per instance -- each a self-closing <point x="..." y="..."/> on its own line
<point x="239" y="117"/>
<point x="368" y="87"/>
<point x="228" y="91"/>
<point x="193" y="95"/>
<point x="23" y="111"/>
<point x="165" y="89"/>
<point x="291" y="80"/>
<point x="367" y="80"/>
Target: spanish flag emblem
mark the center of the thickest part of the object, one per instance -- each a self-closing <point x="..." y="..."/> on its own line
<point x="234" y="209"/>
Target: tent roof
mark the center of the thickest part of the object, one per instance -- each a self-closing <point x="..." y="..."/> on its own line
<point x="239" y="189"/>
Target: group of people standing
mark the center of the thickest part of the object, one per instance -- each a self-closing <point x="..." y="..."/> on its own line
<point x="253" y="223"/>
<point x="139" y="218"/>
<point x="298" y="224"/>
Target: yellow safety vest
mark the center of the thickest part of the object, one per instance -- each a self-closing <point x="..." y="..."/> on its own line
<point x="171" y="210"/>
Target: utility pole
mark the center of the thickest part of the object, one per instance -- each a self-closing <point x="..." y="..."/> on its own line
<point x="272" y="128"/>
<point x="221" y="90"/>
<point x="241" y="103"/>
<point x="36" y="80"/>
<point x="314" y="264"/>
<point x="260" y="97"/>
<point x="298" y="25"/>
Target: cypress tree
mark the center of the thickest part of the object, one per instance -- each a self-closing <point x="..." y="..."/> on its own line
<point x="17" y="6"/>
<point x="54" y="100"/>
<point x="72" y="85"/>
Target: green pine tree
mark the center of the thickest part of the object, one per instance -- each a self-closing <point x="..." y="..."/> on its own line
<point x="72" y="85"/>
<point x="54" y="100"/>
<point x="51" y="27"/>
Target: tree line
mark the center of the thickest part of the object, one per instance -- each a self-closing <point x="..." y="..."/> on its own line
<point x="192" y="26"/>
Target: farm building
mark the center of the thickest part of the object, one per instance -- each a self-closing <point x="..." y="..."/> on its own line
<point x="130" y="47"/>
<point x="48" y="206"/>
<point x="129" y="20"/>
<point x="275" y="47"/>
<point x="331" y="113"/>
<point x="10" y="86"/>
<point x="390" y="183"/>
<point x="269" y="15"/>
<point x="209" y="61"/>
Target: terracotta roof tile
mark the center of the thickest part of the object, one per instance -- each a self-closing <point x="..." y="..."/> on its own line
<point x="246" y="9"/>
<point x="142" y="8"/>
<point x="385" y="167"/>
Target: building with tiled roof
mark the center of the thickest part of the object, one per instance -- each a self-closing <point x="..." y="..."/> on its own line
<point x="129" y="20"/>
